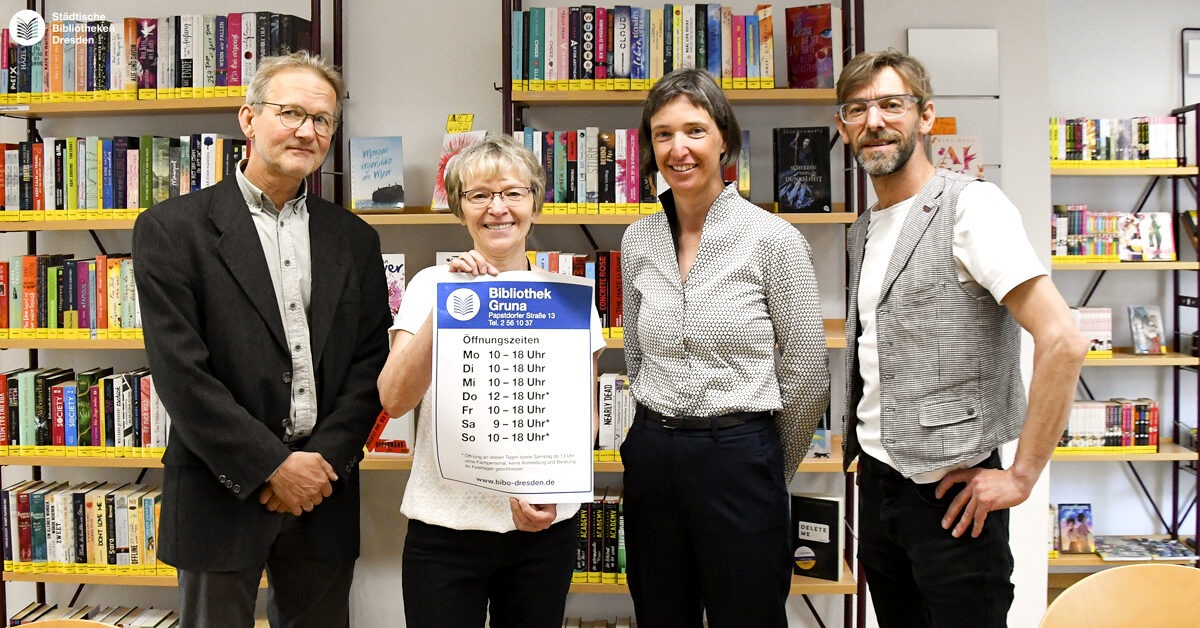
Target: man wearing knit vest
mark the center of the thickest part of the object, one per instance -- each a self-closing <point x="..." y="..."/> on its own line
<point x="942" y="278"/>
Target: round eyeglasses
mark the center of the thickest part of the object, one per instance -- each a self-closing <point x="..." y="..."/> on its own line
<point x="294" y="116"/>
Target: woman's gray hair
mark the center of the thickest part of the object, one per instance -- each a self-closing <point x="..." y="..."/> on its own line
<point x="495" y="156"/>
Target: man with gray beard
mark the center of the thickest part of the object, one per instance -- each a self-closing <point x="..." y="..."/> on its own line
<point x="942" y="278"/>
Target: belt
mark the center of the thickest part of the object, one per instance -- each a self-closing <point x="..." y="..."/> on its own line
<point x="720" y="422"/>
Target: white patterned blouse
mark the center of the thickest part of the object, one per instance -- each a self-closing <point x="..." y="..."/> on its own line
<point x="744" y="333"/>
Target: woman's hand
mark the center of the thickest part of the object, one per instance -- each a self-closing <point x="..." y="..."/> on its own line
<point x="473" y="262"/>
<point x="532" y="517"/>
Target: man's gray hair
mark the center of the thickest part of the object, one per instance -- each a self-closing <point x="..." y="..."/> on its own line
<point x="302" y="59"/>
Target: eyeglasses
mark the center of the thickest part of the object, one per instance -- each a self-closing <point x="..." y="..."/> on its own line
<point x="890" y="107"/>
<point x="294" y="116"/>
<point x="512" y="197"/>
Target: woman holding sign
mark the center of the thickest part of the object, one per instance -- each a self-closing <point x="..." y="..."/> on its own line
<point x="712" y="285"/>
<point x="470" y="552"/>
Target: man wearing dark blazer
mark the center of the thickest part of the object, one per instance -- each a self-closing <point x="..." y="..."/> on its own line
<point x="265" y="315"/>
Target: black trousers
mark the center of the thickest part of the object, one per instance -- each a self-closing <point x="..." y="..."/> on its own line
<point x="303" y="591"/>
<point x="706" y="526"/>
<point x="450" y="576"/>
<point x="919" y="575"/>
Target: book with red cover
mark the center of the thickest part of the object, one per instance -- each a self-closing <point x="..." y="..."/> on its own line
<point x="811" y="49"/>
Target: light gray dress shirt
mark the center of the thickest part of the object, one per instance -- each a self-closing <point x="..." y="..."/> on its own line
<point x="287" y="248"/>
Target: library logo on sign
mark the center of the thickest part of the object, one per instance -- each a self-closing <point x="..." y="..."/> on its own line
<point x="462" y="304"/>
<point x="27" y="27"/>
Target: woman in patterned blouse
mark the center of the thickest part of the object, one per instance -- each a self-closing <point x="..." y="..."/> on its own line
<point x="471" y="553"/>
<point x="726" y="350"/>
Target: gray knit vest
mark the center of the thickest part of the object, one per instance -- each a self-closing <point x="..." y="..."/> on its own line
<point x="949" y="354"/>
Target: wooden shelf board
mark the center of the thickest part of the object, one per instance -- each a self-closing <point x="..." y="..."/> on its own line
<point x="24" y="343"/>
<point x="614" y="343"/>
<point x="632" y="97"/>
<point x="119" y="107"/>
<point x="1093" y="560"/>
<point x="96" y="578"/>
<point x="1167" y="451"/>
<point x="425" y="217"/>
<point x="67" y="225"/>
<point x="83" y="461"/>
<point x="835" y="333"/>
<point x="801" y="585"/>
<point x="1184" y="171"/>
<point x="1126" y="266"/>
<point x="376" y="462"/>
<point x="1124" y="356"/>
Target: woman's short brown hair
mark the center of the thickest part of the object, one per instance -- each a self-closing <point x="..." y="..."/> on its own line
<point x="702" y="91"/>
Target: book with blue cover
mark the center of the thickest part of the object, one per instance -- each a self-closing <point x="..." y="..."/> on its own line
<point x="376" y="172"/>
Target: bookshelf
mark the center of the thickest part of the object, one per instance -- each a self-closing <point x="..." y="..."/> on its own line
<point x="33" y="114"/>
<point x="779" y="96"/>
<point x="1069" y="568"/>
<point x="1132" y="171"/>
<point x="801" y="585"/>
<point x="37" y="111"/>
<point x="559" y="105"/>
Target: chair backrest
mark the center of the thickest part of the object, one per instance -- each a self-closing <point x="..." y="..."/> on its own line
<point x="1146" y="596"/>
<point x="68" y="623"/>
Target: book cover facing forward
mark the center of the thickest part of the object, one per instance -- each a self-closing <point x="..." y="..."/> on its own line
<point x="801" y="156"/>
<point x="817" y="541"/>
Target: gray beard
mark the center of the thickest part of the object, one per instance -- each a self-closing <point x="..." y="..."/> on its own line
<point x="882" y="167"/>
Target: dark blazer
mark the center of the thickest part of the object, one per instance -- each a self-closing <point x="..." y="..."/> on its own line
<point x="216" y="347"/>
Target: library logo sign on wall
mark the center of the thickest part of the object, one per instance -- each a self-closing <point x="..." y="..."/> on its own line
<point x="27" y="27"/>
<point x="462" y="304"/>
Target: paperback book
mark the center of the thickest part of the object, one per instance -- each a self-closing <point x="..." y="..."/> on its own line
<point x="1075" y="529"/>
<point x="817" y="540"/>
<point x="801" y="159"/>
<point x="958" y="153"/>
<point x="1146" y="328"/>
<point x="452" y="143"/>
<point x="376" y="173"/>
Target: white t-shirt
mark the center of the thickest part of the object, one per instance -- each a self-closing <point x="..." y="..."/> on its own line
<point x="990" y="248"/>
<point x="427" y="496"/>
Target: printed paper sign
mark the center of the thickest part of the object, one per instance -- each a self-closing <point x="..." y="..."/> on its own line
<point x="513" y="383"/>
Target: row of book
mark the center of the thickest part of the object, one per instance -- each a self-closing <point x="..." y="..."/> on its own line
<point x="1145" y="327"/>
<point x="181" y="56"/>
<point x="578" y="622"/>
<point x="1078" y="234"/>
<point x="1096" y="325"/>
<point x="605" y="271"/>
<point x="96" y="412"/>
<point x="624" y="47"/>
<point x="56" y="296"/>
<point x="1118" y="425"/>
<point x="589" y="171"/>
<point x="616" y="407"/>
<point x="83" y="528"/>
<point x="1146" y="141"/>
<point x="600" y="551"/>
<point x="122" y="616"/>
<point x="93" y="177"/>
